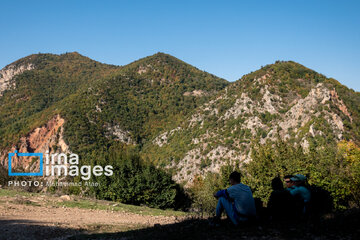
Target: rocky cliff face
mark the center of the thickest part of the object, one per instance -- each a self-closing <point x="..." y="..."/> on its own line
<point x="48" y="137"/>
<point x="8" y="73"/>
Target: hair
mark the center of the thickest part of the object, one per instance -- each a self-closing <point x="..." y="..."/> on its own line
<point x="288" y="176"/>
<point x="235" y="176"/>
<point x="276" y="184"/>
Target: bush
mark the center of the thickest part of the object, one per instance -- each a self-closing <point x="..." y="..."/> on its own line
<point x="203" y="189"/>
<point x="335" y="169"/>
<point x="136" y="182"/>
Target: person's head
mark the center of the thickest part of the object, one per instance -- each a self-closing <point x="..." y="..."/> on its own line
<point x="288" y="181"/>
<point x="276" y="184"/>
<point x="234" y="178"/>
<point x="298" y="180"/>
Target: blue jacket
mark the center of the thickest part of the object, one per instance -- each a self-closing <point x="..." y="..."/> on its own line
<point x="242" y="198"/>
<point x="301" y="192"/>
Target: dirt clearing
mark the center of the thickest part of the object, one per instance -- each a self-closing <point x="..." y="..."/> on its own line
<point x="48" y="217"/>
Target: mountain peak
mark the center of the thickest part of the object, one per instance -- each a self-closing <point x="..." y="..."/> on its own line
<point x="286" y="74"/>
<point x="166" y="68"/>
<point x="159" y="58"/>
<point x="287" y="67"/>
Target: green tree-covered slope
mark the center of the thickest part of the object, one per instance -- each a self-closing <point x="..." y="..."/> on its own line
<point x="51" y="79"/>
<point x="97" y="100"/>
<point x="179" y="118"/>
<point x="282" y="101"/>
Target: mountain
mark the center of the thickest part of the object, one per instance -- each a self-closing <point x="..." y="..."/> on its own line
<point x="282" y="101"/>
<point x="33" y="85"/>
<point x="174" y="115"/>
<point x="69" y="102"/>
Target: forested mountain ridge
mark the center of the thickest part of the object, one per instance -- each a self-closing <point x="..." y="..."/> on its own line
<point x="34" y="84"/>
<point x="160" y="114"/>
<point x="100" y="104"/>
<point x="283" y="101"/>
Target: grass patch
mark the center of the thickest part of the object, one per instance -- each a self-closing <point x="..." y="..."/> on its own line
<point x="114" y="206"/>
<point x="26" y="202"/>
<point x="86" y="203"/>
<point x="13" y="193"/>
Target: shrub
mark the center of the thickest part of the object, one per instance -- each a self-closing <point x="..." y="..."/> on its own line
<point x="136" y="182"/>
<point x="335" y="169"/>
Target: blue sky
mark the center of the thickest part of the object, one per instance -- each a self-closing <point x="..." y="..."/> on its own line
<point x="226" y="38"/>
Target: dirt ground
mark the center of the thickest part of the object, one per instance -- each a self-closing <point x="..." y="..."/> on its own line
<point x="33" y="218"/>
<point x="37" y="216"/>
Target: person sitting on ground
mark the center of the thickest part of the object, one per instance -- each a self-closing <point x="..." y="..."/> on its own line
<point x="280" y="202"/>
<point x="237" y="201"/>
<point x="298" y="190"/>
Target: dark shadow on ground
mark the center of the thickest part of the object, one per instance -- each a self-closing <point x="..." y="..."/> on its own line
<point x="24" y="229"/>
<point x="343" y="226"/>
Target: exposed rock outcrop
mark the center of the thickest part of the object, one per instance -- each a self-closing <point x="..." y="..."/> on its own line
<point x="248" y="119"/>
<point x="195" y="163"/>
<point x="118" y="134"/>
<point x="48" y="137"/>
<point x="163" y="138"/>
<point x="196" y="93"/>
<point x="8" y="73"/>
<point x="339" y="103"/>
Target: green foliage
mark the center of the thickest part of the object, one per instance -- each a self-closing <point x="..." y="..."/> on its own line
<point x="268" y="117"/>
<point x="349" y="156"/>
<point x="328" y="168"/>
<point x="269" y="161"/>
<point x="155" y="94"/>
<point x="202" y="193"/>
<point x="136" y="182"/>
<point x="203" y="188"/>
<point x="37" y="91"/>
<point x="76" y="87"/>
<point x="286" y="78"/>
<point x="3" y="176"/>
